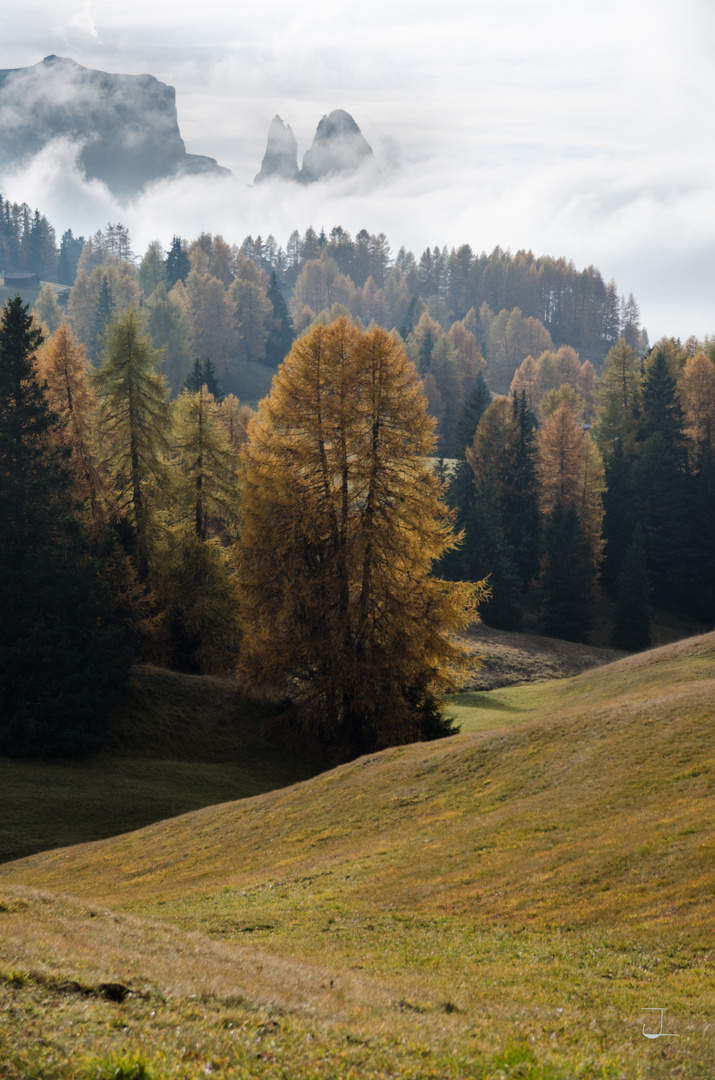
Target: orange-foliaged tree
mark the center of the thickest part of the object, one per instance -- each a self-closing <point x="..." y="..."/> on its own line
<point x="571" y="473"/>
<point x="62" y="363"/>
<point x="342" y="518"/>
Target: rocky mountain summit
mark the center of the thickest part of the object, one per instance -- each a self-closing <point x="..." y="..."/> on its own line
<point x="338" y="147"/>
<point x="126" y="125"/>
<point x="281" y="156"/>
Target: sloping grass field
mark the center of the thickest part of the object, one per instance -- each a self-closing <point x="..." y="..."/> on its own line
<point x="504" y="903"/>
<point x="178" y="743"/>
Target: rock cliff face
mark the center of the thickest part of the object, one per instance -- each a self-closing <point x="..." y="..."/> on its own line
<point x="281" y="156"/>
<point x="338" y="147"/>
<point x="126" y="124"/>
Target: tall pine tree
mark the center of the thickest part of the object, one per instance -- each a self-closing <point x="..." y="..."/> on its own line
<point x="178" y="264"/>
<point x="281" y="332"/>
<point x="632" y="620"/>
<point x="663" y="484"/>
<point x="567" y="576"/>
<point x="63" y="662"/>
<point x="135" y="417"/>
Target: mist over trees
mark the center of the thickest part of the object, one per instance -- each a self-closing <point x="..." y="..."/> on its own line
<point x="28" y="243"/>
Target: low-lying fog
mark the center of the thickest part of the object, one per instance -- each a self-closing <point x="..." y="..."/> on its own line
<point x="573" y="127"/>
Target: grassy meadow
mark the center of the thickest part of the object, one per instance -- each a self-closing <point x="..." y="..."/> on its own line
<point x="503" y="903"/>
<point x="249" y="381"/>
<point x="178" y="743"/>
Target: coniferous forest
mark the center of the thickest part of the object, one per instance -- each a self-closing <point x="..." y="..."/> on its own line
<point x="149" y="509"/>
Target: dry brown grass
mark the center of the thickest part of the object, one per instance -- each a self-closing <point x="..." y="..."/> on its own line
<point x="546" y="881"/>
<point x="506" y="658"/>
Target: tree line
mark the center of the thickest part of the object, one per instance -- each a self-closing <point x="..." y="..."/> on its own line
<point x="28" y="243"/>
<point x="571" y="480"/>
<point x="458" y="314"/>
<point x="573" y="487"/>
<point x="203" y="537"/>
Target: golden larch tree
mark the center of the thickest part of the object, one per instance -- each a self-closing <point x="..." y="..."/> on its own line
<point x="342" y="517"/>
<point x="697" y="394"/>
<point x="63" y="364"/>
<point x="571" y="473"/>
<point x="205" y="486"/>
<point x="235" y="419"/>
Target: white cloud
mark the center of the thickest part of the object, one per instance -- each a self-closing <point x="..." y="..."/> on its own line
<point x="573" y="127"/>
<point x="84" y="21"/>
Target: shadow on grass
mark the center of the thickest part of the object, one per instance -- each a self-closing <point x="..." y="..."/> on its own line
<point x="487" y="700"/>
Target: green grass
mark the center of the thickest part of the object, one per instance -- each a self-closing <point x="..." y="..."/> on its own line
<point x="249" y="382"/>
<point x="29" y="295"/>
<point x="45" y="805"/>
<point x="502" y="903"/>
<point x="485" y="710"/>
<point x="177" y="743"/>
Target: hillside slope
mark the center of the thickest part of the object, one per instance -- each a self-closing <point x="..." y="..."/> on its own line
<point x="605" y="790"/>
<point x="548" y="880"/>
<point x="177" y="743"/>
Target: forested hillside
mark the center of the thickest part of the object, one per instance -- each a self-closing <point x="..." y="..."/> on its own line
<point x="577" y="461"/>
<point x="493" y="309"/>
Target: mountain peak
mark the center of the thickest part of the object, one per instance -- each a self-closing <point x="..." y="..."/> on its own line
<point x="125" y="126"/>
<point x="281" y="156"/>
<point x="339" y="146"/>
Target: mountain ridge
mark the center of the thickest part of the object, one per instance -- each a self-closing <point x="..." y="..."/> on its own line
<point x="126" y="125"/>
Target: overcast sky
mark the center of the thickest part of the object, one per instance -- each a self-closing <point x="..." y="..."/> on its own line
<point x="580" y="128"/>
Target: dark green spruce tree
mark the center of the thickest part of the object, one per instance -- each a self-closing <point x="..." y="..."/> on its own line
<point x="281" y="332"/>
<point x="520" y="499"/>
<point x="103" y="313"/>
<point x="472" y="411"/>
<point x="567" y="577"/>
<point x="178" y="264"/>
<point x="619" y="513"/>
<point x="663" y="484"/>
<point x="63" y="661"/>
<point x="488" y="554"/>
<point x="700" y="596"/>
<point x="70" y="251"/>
<point x="632" y="619"/>
<point x="461" y="494"/>
<point x="204" y="374"/>
<point x="477" y="503"/>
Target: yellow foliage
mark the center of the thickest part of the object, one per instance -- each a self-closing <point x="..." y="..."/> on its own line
<point x="697" y="393"/>
<point x="62" y="363"/>
<point x="342" y="518"/>
<point x="571" y="472"/>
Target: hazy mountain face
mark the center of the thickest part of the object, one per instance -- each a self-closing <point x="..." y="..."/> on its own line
<point x="338" y="146"/>
<point x="125" y="126"/>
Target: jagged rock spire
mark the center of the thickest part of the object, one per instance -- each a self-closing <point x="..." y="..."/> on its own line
<point x="281" y="156"/>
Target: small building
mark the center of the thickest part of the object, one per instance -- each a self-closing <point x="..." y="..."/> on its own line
<point x="21" y="280"/>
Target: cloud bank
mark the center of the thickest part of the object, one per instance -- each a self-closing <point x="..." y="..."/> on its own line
<point x="572" y="128"/>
